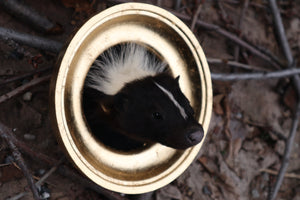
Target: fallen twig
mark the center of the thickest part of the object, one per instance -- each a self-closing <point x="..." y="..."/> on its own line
<point x="279" y="135"/>
<point x="296" y="80"/>
<point x="23" y="88"/>
<point x="281" y="33"/>
<point x="25" y="75"/>
<point x="30" y="16"/>
<point x="235" y="64"/>
<point x="30" y="40"/>
<point x="230" y="36"/>
<point x="18" y="196"/>
<point x="287" y="175"/>
<point x="158" y="3"/>
<point x="239" y="27"/>
<point x="65" y="171"/>
<point x="287" y="152"/>
<point x="54" y="46"/>
<point x="5" y="164"/>
<point x="46" y="175"/>
<point x="195" y="18"/>
<point x="39" y="182"/>
<point x="284" y="43"/>
<point x="34" y="154"/>
<point x="255" y="76"/>
<point x="270" y="54"/>
<point x="219" y="30"/>
<point x="7" y="135"/>
<point x="177" y="4"/>
<point x="223" y="14"/>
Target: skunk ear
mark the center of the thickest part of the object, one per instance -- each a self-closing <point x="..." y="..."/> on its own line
<point x="177" y="78"/>
<point x="107" y="104"/>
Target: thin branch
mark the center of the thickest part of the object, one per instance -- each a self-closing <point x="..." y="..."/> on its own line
<point x="270" y="54"/>
<point x="54" y="46"/>
<point x="11" y="139"/>
<point x="46" y="175"/>
<point x="223" y="14"/>
<point x="279" y="135"/>
<point x="30" y="40"/>
<point x="284" y="43"/>
<point x="287" y="152"/>
<point x="232" y="37"/>
<point x="23" y="88"/>
<point x="195" y="18"/>
<point x="255" y="76"/>
<point x="177" y="4"/>
<point x="65" y="171"/>
<point x="219" y="30"/>
<point x="39" y="182"/>
<point x="18" y="196"/>
<point x="34" y="154"/>
<point x="25" y="75"/>
<point x="281" y="33"/>
<point x="239" y="27"/>
<point x="296" y="80"/>
<point x="5" y="164"/>
<point x="7" y="135"/>
<point x="235" y="64"/>
<point x="28" y="15"/>
<point x="158" y="3"/>
<point x="287" y="175"/>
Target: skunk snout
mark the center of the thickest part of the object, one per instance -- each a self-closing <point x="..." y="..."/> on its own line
<point x="195" y="135"/>
<point x="190" y="136"/>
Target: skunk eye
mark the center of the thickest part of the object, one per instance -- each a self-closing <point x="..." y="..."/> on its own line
<point x="157" y="115"/>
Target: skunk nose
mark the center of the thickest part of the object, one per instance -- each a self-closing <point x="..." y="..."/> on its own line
<point x="195" y="136"/>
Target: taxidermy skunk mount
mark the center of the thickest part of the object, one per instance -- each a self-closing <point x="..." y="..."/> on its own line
<point x="130" y="99"/>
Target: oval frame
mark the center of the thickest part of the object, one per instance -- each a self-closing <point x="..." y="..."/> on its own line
<point x="158" y="29"/>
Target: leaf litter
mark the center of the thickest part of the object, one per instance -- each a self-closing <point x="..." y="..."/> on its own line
<point x="241" y="140"/>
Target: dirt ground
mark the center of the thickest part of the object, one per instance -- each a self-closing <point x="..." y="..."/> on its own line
<point x="247" y="117"/>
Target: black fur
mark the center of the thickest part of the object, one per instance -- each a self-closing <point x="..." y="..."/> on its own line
<point x="141" y="113"/>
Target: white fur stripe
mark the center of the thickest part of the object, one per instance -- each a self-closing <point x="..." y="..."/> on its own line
<point x="115" y="69"/>
<point x="170" y="95"/>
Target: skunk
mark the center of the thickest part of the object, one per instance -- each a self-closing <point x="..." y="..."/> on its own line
<point x="131" y="99"/>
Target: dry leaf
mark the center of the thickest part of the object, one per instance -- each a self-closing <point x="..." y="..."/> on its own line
<point x="209" y="164"/>
<point x="217" y="104"/>
<point x="169" y="192"/>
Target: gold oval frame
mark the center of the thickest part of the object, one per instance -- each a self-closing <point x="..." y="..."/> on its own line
<point x="156" y="28"/>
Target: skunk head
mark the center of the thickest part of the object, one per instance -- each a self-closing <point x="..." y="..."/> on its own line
<point x="149" y="105"/>
<point x="154" y="109"/>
